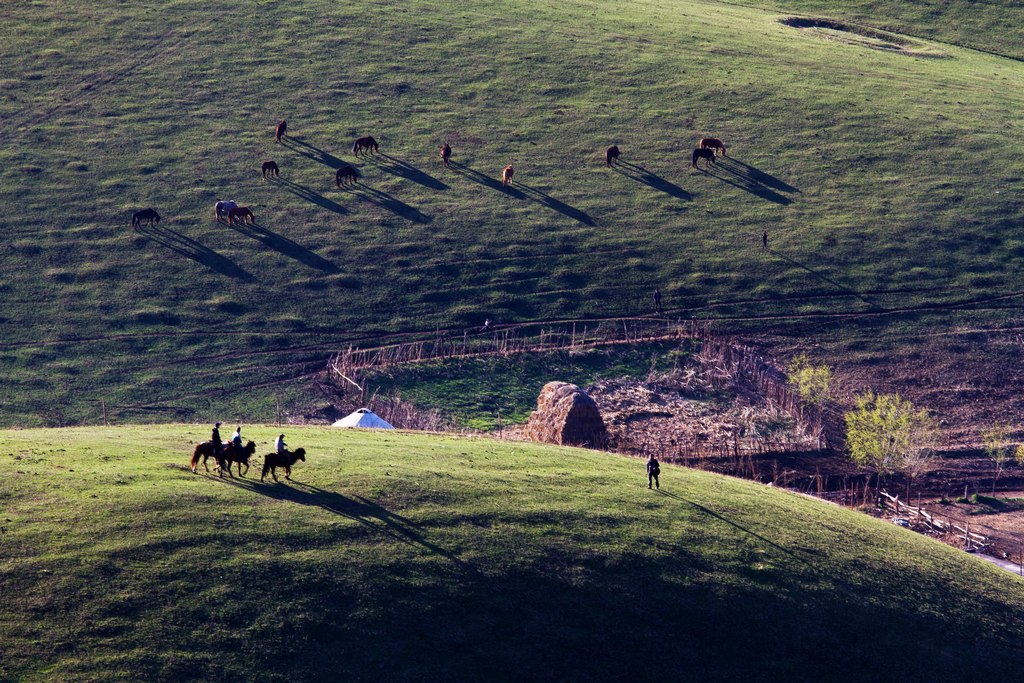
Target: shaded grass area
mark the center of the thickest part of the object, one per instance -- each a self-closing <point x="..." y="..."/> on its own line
<point x="400" y="556"/>
<point x="475" y="391"/>
<point x="880" y="183"/>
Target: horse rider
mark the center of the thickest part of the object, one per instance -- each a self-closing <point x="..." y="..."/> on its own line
<point x="218" y="445"/>
<point x="280" y="445"/>
<point x="236" y="438"/>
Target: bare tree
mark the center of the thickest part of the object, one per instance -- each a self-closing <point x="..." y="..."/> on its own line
<point x="999" y="450"/>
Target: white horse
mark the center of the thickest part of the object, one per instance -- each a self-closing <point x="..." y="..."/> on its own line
<point x="222" y="209"/>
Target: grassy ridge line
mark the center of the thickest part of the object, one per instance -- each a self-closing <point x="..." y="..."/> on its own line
<point x="594" y="72"/>
<point x="415" y="556"/>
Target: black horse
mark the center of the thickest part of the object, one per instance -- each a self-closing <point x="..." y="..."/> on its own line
<point x="271" y="461"/>
<point x="148" y="215"/>
<point x="706" y="154"/>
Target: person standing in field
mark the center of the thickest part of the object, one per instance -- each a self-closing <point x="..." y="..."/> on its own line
<point x="657" y="300"/>
<point x="764" y="241"/>
<point x="653" y="470"/>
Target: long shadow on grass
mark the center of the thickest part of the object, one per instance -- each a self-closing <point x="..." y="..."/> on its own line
<point x="310" y="195"/>
<point x="286" y="246"/>
<point x="403" y="169"/>
<point x="357" y="508"/>
<point x="746" y="182"/>
<point x="826" y="278"/>
<point x="386" y="201"/>
<point x="198" y="252"/>
<point x="652" y="180"/>
<point x="754" y="175"/>
<point x="309" y="151"/>
<point x="521" y="191"/>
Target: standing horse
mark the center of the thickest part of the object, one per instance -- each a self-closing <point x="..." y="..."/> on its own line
<point x="148" y="215"/>
<point x="272" y="168"/>
<point x="506" y="175"/>
<point x="367" y="143"/>
<point x="446" y="154"/>
<point x="222" y="209"/>
<point x="242" y="214"/>
<point x="346" y="175"/>
<point x="282" y="128"/>
<point x="271" y="461"/>
<point x="712" y="143"/>
<point x="611" y="155"/>
<point x="706" y="154"/>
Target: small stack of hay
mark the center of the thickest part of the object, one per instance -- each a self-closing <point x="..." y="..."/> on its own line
<point x="566" y="416"/>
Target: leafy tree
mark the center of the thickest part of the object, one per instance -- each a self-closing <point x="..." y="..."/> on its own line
<point x="812" y="382"/>
<point x="886" y="433"/>
<point x="999" y="451"/>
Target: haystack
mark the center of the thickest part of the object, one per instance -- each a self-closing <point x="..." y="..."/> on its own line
<point x="566" y="416"/>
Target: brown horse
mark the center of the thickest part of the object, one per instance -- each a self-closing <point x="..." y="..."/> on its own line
<point x="272" y="168"/>
<point x="346" y="175"/>
<point x="712" y="143"/>
<point x="282" y="128"/>
<point x="148" y="215"/>
<point x="446" y="154"/>
<point x="506" y="175"/>
<point x="228" y="455"/>
<point x="611" y="154"/>
<point x="271" y="461"/>
<point x="367" y="143"/>
<point x="243" y="214"/>
<point x="706" y="154"/>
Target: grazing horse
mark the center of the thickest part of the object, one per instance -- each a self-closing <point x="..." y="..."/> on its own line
<point x="506" y="175"/>
<point x="272" y="168"/>
<point x="242" y="214"/>
<point x="346" y="175"/>
<point x="222" y="209"/>
<point x="712" y="143"/>
<point x="282" y="128"/>
<point x="611" y="154"/>
<point x="367" y="143"/>
<point x="706" y="154"/>
<point x="446" y="154"/>
<point x="228" y="455"/>
<point x="271" y="461"/>
<point x="148" y="215"/>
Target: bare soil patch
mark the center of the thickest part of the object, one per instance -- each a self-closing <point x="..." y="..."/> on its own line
<point x="865" y="36"/>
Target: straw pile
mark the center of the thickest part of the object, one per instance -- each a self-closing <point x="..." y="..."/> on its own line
<point x="566" y="416"/>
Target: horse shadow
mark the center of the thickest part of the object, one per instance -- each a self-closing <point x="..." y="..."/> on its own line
<point x="309" y="151"/>
<point x="310" y="195"/>
<point x="198" y="252"/>
<point x="522" y="191"/>
<point x="358" y="509"/>
<point x="652" y="180"/>
<point x="751" y="180"/>
<point x="826" y="278"/>
<point x="403" y="169"/>
<point x="286" y="246"/>
<point x="387" y="201"/>
<point x="756" y="175"/>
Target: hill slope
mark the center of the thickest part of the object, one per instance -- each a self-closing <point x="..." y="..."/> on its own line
<point x="885" y="178"/>
<point x="405" y="556"/>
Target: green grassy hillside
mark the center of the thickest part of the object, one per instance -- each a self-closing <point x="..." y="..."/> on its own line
<point x="887" y="180"/>
<point x="398" y="556"/>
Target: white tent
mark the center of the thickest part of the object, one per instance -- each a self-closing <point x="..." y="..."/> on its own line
<point x="364" y="418"/>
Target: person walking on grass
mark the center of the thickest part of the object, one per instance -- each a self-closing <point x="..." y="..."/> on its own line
<point x="657" y="300"/>
<point x="764" y="241"/>
<point x="653" y="470"/>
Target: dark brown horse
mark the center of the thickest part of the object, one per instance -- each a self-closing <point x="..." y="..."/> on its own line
<point x="611" y="154"/>
<point x="712" y="143"/>
<point x="271" y="461"/>
<point x="506" y="175"/>
<point x="346" y="175"/>
<point x="228" y="455"/>
<point x="446" y="154"/>
<point x="367" y="143"/>
<point x="242" y="214"/>
<point x="706" y="154"/>
<point x="148" y="215"/>
<point x="282" y="128"/>
<point x="272" y="168"/>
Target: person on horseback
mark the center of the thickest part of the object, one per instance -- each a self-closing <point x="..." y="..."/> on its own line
<point x="218" y="446"/>
<point x="236" y="438"/>
<point x="280" y="445"/>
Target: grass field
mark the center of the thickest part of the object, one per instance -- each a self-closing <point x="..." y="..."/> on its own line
<point x="398" y="556"/>
<point x="888" y="181"/>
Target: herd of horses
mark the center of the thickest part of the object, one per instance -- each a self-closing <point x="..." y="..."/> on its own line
<point x="347" y="175"/>
<point x="230" y="454"/>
